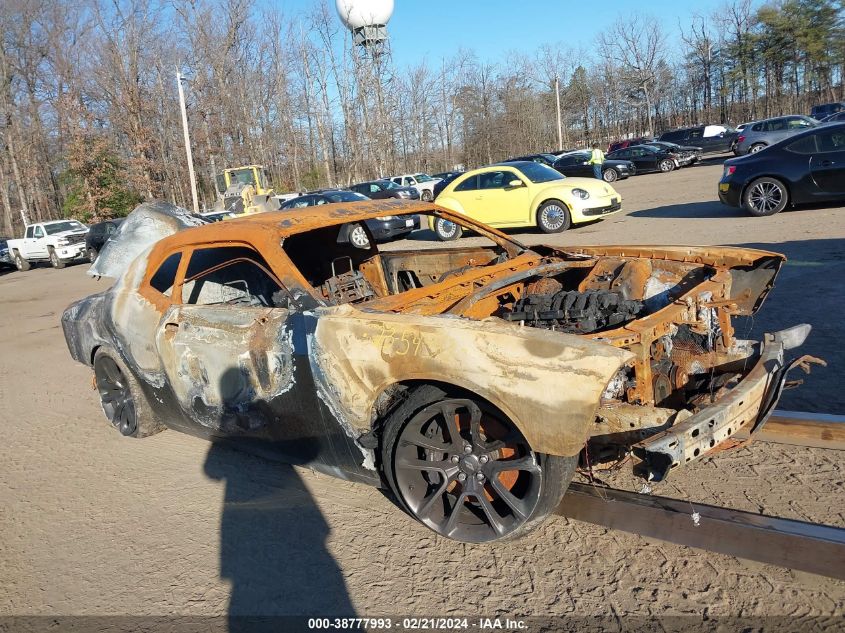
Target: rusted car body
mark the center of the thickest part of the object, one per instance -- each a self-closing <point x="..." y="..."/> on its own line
<point x="471" y="376"/>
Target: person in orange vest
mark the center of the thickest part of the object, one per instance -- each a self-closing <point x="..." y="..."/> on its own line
<point x="597" y="160"/>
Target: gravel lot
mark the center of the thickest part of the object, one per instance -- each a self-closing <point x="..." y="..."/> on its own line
<point x="95" y="524"/>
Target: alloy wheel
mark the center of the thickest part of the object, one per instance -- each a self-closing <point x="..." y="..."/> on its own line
<point x="765" y="197"/>
<point x="553" y="217"/>
<point x="465" y="472"/>
<point x="115" y="395"/>
<point x="359" y="238"/>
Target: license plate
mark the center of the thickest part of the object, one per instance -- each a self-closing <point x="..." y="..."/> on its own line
<point x="409" y="223"/>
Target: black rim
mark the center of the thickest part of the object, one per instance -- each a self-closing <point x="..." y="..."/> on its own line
<point x="465" y="472"/>
<point x="115" y="395"/>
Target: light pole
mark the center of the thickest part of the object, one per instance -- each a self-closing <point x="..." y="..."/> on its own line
<point x="179" y="79"/>
<point x="557" y="103"/>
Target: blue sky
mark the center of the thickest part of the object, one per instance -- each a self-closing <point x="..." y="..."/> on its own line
<point x="433" y="29"/>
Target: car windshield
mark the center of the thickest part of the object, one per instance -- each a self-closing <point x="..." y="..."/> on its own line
<point x="423" y="177"/>
<point x="61" y="227"/>
<point x="537" y="172"/>
<point x="344" y="196"/>
<point x="387" y="184"/>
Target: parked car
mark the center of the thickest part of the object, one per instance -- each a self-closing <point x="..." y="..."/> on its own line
<point x="617" y="145"/>
<point x="808" y="167"/>
<point x="98" y="234"/>
<point x="59" y="242"/>
<point x="687" y="154"/>
<point x="383" y="228"/>
<point x="6" y="260"/>
<point x="833" y="118"/>
<point x="423" y="183"/>
<point x="761" y="134"/>
<point x="577" y="164"/>
<point x="526" y="194"/>
<point x="465" y="380"/>
<point x="710" y="138"/>
<point x="382" y="189"/>
<point x="826" y="109"/>
<point x="445" y="179"/>
<point x="543" y="159"/>
<point x="647" y="158"/>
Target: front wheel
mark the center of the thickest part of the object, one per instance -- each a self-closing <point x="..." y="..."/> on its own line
<point x="666" y="165"/>
<point x="446" y="231"/>
<point x="20" y="263"/>
<point x="92" y="254"/>
<point x="765" y="196"/>
<point x="461" y="468"/>
<point x="553" y="217"/>
<point x="121" y="397"/>
<point x="610" y="175"/>
<point x="55" y="260"/>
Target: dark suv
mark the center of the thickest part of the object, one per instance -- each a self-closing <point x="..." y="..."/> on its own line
<point x="826" y="109"/>
<point x="381" y="189"/>
<point x="710" y="138"/>
<point x="98" y="235"/>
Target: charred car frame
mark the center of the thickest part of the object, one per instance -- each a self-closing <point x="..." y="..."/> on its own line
<point x="467" y="380"/>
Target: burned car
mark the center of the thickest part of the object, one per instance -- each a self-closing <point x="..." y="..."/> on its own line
<point x="466" y="380"/>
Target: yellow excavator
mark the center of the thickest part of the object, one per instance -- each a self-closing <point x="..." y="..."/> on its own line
<point x="245" y="190"/>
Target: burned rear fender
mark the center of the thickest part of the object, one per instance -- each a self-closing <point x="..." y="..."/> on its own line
<point x="548" y="383"/>
<point x="81" y="323"/>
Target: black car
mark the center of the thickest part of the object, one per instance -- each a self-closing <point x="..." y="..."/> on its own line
<point x="833" y="118"/>
<point x="5" y="256"/>
<point x="805" y="168"/>
<point x="98" y="235"/>
<point x="647" y="158"/>
<point x="826" y="109"/>
<point x="383" y="188"/>
<point x="700" y="136"/>
<point x="687" y="154"/>
<point x="383" y="228"/>
<point x="577" y="164"/>
<point x="545" y="159"/>
<point x="445" y="179"/>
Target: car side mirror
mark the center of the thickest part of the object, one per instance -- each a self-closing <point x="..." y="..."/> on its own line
<point x="515" y="183"/>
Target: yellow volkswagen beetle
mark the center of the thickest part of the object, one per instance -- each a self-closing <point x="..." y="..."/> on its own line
<point x="524" y="193"/>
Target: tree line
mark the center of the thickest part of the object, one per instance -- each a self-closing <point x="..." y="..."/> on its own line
<point x="90" y="123"/>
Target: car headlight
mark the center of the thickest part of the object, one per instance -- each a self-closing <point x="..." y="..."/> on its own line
<point x="62" y="241"/>
<point x="580" y="193"/>
<point x="385" y="218"/>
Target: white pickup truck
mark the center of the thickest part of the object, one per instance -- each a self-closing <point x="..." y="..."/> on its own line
<point x="59" y="242"/>
<point x="421" y="182"/>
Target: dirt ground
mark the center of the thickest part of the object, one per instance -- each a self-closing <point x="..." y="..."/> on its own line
<point x="95" y="524"/>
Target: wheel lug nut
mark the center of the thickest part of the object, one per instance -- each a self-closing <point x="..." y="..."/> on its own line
<point x="479" y="476"/>
<point x="455" y="459"/>
<point x="483" y="459"/>
<point x="467" y="448"/>
<point x="462" y="477"/>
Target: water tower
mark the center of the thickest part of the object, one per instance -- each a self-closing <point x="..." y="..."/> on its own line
<point x="367" y="20"/>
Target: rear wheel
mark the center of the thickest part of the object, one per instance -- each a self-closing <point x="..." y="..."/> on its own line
<point x="460" y="467"/>
<point x="358" y="237"/>
<point x="426" y="196"/>
<point x="610" y="175"/>
<point x="55" y="261"/>
<point x="20" y="263"/>
<point x="756" y="148"/>
<point x="92" y="254"/>
<point x="121" y="397"/>
<point x="765" y="196"/>
<point x="446" y="230"/>
<point x="666" y="165"/>
<point x="553" y="217"/>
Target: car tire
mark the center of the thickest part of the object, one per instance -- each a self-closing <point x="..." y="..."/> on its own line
<point x="553" y="217"/>
<point x="55" y="260"/>
<point x="121" y="397"/>
<point x="92" y="254"/>
<point x="765" y="196"/>
<point x="666" y="165"/>
<point x="358" y="236"/>
<point x="610" y="175"/>
<point x="756" y="148"/>
<point x="426" y="196"/>
<point x="447" y="231"/>
<point x="20" y="263"/>
<point x="433" y="474"/>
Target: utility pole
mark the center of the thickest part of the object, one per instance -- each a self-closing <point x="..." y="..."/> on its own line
<point x="557" y="103"/>
<point x="179" y="80"/>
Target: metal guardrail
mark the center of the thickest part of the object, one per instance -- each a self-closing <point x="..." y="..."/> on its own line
<point x="809" y="547"/>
